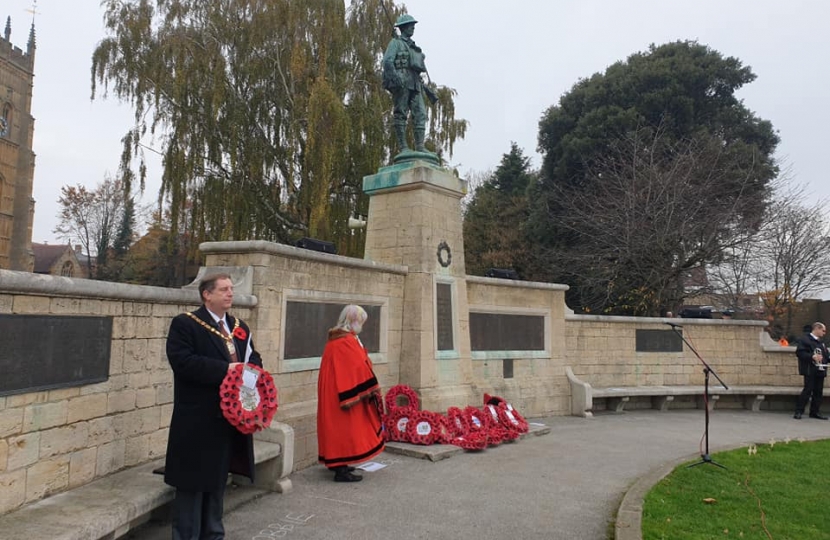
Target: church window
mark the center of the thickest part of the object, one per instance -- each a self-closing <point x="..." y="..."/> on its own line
<point x="6" y="120"/>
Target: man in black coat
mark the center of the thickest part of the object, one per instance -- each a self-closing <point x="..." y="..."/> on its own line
<point x="202" y="447"/>
<point x="812" y="364"/>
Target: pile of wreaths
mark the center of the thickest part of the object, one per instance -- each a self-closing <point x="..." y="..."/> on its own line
<point x="469" y="428"/>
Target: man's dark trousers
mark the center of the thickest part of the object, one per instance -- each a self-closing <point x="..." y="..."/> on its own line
<point x="814" y="391"/>
<point x="198" y="515"/>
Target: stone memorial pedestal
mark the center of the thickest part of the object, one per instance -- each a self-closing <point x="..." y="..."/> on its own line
<point x="415" y="220"/>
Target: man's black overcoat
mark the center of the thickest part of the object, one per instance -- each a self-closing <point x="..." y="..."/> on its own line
<point x="202" y="446"/>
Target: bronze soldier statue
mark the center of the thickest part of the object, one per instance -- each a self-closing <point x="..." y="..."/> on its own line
<point x="403" y="64"/>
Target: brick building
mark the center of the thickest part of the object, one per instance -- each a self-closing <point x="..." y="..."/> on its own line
<point x="59" y="260"/>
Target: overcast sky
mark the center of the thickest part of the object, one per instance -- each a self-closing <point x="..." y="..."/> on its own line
<point x="509" y="61"/>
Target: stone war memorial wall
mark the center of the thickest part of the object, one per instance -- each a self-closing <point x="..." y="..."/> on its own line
<point x="604" y="351"/>
<point x="87" y="390"/>
<point x="59" y="438"/>
<point x="74" y="407"/>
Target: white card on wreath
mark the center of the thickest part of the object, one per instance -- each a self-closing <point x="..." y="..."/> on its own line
<point x="249" y="377"/>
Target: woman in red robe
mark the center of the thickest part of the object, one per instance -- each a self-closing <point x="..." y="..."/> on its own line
<point x="349" y="428"/>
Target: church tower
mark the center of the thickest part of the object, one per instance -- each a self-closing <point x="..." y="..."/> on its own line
<point x="17" y="160"/>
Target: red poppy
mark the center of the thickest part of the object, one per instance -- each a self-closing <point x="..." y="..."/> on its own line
<point x="240" y="333"/>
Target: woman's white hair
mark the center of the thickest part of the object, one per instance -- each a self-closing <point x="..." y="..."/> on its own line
<point x="352" y="318"/>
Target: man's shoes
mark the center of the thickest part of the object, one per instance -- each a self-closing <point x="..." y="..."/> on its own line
<point x="818" y="416"/>
<point x="346" y="476"/>
<point x="797" y="416"/>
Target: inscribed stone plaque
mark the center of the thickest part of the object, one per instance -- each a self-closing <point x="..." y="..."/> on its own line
<point x="307" y="325"/>
<point x="502" y="332"/>
<point x="41" y="352"/>
<point x="443" y="312"/>
<point x="658" y="341"/>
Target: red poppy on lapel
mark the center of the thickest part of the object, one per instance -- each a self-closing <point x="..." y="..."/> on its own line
<point x="240" y="333"/>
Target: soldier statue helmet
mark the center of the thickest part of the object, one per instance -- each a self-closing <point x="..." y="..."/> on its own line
<point x="405" y="19"/>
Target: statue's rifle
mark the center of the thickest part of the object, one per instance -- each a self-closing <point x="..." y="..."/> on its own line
<point x="428" y="88"/>
<point x="389" y="18"/>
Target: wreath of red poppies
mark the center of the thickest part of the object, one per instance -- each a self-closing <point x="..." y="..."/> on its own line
<point x="508" y="415"/>
<point x="493" y="413"/>
<point x="457" y="422"/>
<point x="444" y="432"/>
<point x="423" y="428"/>
<point x="511" y="417"/>
<point x="475" y="419"/>
<point x="497" y="432"/>
<point x="473" y="441"/>
<point x="391" y="399"/>
<point x="258" y="415"/>
<point x="396" y="423"/>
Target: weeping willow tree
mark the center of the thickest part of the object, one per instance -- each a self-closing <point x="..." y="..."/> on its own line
<point x="268" y="113"/>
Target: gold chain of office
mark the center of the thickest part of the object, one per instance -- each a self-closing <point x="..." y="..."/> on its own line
<point x="209" y="328"/>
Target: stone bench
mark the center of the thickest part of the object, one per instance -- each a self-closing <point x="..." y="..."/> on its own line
<point x="109" y="507"/>
<point x="583" y="395"/>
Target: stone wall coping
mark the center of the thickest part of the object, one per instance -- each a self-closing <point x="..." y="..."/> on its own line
<point x="660" y="320"/>
<point x="272" y="248"/>
<point x="15" y="282"/>
<point x="770" y="345"/>
<point x="499" y="282"/>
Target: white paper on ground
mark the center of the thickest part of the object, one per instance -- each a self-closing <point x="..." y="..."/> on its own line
<point x="536" y="424"/>
<point x="370" y="466"/>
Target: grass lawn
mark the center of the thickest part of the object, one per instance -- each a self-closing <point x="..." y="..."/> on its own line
<point x="781" y="491"/>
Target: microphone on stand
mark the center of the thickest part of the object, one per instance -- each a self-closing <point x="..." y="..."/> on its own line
<point x="674" y="325"/>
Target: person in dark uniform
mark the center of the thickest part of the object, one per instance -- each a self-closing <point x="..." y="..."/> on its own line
<point x="203" y="447"/>
<point x="812" y="365"/>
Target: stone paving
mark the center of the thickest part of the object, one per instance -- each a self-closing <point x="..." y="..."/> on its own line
<point x="565" y="485"/>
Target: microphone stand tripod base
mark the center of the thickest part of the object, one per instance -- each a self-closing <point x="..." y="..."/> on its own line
<point x="705" y="458"/>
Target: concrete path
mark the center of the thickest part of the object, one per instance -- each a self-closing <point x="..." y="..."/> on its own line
<point x="565" y="485"/>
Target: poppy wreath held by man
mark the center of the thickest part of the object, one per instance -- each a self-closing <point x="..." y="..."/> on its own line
<point x="248" y="411"/>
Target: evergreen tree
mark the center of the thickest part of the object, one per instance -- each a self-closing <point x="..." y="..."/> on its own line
<point x="620" y="137"/>
<point x="494" y="218"/>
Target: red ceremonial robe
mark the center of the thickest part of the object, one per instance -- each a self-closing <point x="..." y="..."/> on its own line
<point x="348" y="424"/>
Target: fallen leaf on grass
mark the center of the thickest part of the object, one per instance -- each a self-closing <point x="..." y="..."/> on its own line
<point x="710" y="500"/>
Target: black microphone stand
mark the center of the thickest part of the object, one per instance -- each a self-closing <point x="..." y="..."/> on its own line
<point x="705" y="457"/>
